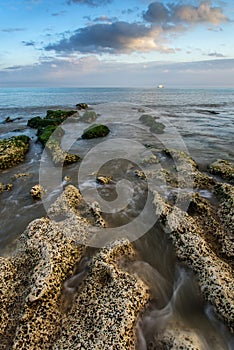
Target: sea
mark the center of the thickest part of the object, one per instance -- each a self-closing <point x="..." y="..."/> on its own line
<point x="197" y="121"/>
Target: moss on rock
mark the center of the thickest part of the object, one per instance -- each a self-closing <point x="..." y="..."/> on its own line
<point x="95" y="130"/>
<point x="13" y="150"/>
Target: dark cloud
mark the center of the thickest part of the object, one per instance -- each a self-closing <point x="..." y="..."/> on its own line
<point x="56" y="14"/>
<point x="162" y="23"/>
<point x="94" y="3"/>
<point x="28" y="43"/>
<point x="112" y="38"/>
<point x="171" y="13"/>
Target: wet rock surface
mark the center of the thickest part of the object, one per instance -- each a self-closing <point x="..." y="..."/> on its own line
<point x="52" y="299"/>
<point x="204" y="242"/>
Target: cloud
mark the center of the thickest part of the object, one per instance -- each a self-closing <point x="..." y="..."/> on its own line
<point x="105" y="19"/>
<point x="93" y="3"/>
<point x="28" y="43"/>
<point x="91" y="71"/>
<point x="12" y="30"/>
<point x="171" y="13"/>
<point x="118" y="37"/>
<point x="215" y="54"/>
<point x="162" y="22"/>
<point x="60" y="13"/>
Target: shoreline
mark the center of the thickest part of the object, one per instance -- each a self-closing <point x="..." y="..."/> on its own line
<point x="201" y="238"/>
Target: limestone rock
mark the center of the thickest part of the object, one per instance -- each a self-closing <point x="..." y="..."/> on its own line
<point x="95" y="130"/>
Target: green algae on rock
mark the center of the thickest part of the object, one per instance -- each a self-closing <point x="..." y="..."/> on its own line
<point x="52" y="118"/>
<point x="224" y="169"/>
<point x="95" y="130"/>
<point x="103" y="306"/>
<point x="50" y="137"/>
<point x="13" y="150"/>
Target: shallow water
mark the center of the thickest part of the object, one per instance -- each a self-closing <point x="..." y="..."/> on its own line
<point x="189" y="127"/>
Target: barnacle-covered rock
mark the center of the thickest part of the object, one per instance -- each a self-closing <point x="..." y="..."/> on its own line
<point x="37" y="191"/>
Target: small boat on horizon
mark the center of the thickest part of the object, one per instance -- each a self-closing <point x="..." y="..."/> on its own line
<point x="160" y="86"/>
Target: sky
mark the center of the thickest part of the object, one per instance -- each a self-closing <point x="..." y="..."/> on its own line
<point x="105" y="43"/>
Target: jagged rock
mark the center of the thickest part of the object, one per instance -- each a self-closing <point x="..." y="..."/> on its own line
<point x="107" y="304"/>
<point x="23" y="175"/>
<point x="37" y="191"/>
<point x="223" y="168"/>
<point x="197" y="243"/>
<point x="95" y="130"/>
<point x="13" y="150"/>
<point x="53" y="298"/>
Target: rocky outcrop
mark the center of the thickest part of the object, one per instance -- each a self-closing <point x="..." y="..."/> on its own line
<point x="13" y="150"/>
<point x="95" y="130"/>
<point x="204" y="243"/>
<point x="54" y="298"/>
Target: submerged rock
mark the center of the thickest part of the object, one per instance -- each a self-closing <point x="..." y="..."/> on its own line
<point x="224" y="169"/>
<point x="95" y="130"/>
<point x="54" y="298"/>
<point x="155" y="127"/>
<point x="88" y="117"/>
<point x="13" y="150"/>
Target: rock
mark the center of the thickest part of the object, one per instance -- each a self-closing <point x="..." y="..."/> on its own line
<point x="8" y="187"/>
<point x="13" y="150"/>
<point x="8" y="120"/>
<point x="88" y="117"/>
<point x="81" y="106"/>
<point x="50" y="137"/>
<point x="224" y="169"/>
<point x="104" y="180"/>
<point x="95" y="130"/>
<point x="155" y="127"/>
<point x="37" y="191"/>
<point x="107" y="304"/>
<point x="52" y="297"/>
<point x="197" y="237"/>
<point x="177" y="338"/>
<point x="1" y="187"/>
<point x="19" y="175"/>
<point x="140" y="174"/>
<point x="44" y="134"/>
<point x="52" y="118"/>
